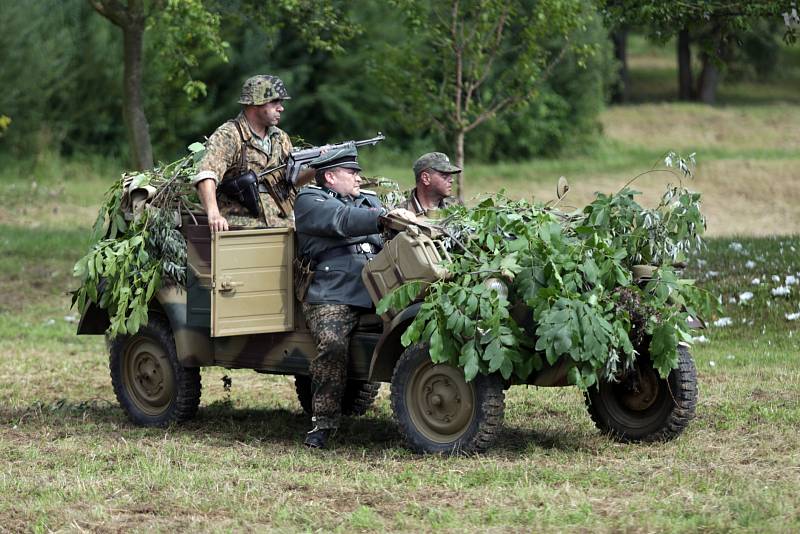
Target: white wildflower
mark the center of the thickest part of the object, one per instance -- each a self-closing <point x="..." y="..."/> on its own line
<point x="755" y="281"/>
<point x="723" y="321"/>
<point x="736" y="246"/>
<point x="730" y="357"/>
<point x="71" y="318"/>
<point x="712" y="363"/>
<point x="701" y="263"/>
<point x="732" y="300"/>
<point x="792" y="316"/>
<point x="776" y="278"/>
<point x="790" y="280"/>
<point x="49" y="322"/>
<point x="750" y="264"/>
<point x="700" y="339"/>
<point x="744" y="297"/>
<point x="781" y="291"/>
<point x="712" y="274"/>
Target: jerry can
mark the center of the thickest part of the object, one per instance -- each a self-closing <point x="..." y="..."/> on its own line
<point x="410" y="256"/>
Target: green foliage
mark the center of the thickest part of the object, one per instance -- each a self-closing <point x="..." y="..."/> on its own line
<point x="186" y="29"/>
<point x="5" y="122"/>
<point x="570" y="274"/>
<point x="475" y="60"/>
<point x="142" y="249"/>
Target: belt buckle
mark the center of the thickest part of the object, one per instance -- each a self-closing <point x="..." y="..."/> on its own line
<point x="366" y="248"/>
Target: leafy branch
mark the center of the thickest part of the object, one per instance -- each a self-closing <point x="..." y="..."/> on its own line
<point x="570" y="292"/>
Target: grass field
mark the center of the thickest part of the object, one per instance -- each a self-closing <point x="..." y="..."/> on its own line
<point x="69" y="460"/>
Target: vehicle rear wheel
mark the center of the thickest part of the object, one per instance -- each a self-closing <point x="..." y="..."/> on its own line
<point x="644" y="407"/>
<point x="151" y="385"/>
<point x="438" y="411"/>
<point x="358" y="396"/>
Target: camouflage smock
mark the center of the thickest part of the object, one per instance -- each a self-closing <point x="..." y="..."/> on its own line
<point x="224" y="159"/>
<point x="412" y="204"/>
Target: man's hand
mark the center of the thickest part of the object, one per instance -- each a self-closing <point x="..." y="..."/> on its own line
<point x="404" y="214"/>
<point x="207" y="191"/>
<point x="216" y="222"/>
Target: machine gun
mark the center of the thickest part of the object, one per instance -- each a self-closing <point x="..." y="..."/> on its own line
<point x="281" y="181"/>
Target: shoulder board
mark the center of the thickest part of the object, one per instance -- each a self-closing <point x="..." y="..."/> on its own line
<point x="313" y="187"/>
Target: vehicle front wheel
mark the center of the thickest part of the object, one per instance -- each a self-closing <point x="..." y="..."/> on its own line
<point x="438" y="411"/>
<point x="151" y="385"/>
<point x="644" y="407"/>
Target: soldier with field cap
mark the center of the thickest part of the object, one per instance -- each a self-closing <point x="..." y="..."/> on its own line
<point x="338" y="229"/>
<point x="250" y="142"/>
<point x="434" y="184"/>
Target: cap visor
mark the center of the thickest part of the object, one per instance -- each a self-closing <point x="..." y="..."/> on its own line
<point x="350" y="165"/>
<point x="450" y="169"/>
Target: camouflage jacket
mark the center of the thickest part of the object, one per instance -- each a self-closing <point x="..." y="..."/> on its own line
<point x="412" y="204"/>
<point x="232" y="150"/>
<point x="326" y="223"/>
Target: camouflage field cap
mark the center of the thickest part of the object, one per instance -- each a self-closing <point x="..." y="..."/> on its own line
<point x="261" y="89"/>
<point x="437" y="161"/>
<point x="346" y="157"/>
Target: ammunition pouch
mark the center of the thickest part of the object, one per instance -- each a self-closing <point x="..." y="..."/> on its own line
<point x="303" y="276"/>
<point x="244" y="190"/>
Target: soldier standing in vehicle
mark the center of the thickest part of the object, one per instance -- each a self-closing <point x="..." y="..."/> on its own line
<point x="250" y="142"/>
<point x="338" y="229"/>
<point x="434" y="184"/>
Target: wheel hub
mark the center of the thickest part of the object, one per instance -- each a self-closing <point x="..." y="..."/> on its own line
<point x="640" y="390"/>
<point x="441" y="402"/>
<point x="148" y="376"/>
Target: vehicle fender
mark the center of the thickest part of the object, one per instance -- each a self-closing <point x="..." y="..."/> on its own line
<point x="193" y="344"/>
<point x="389" y="348"/>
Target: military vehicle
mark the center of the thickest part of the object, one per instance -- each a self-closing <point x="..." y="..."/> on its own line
<point x="238" y="310"/>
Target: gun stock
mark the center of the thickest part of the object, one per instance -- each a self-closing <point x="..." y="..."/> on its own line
<point x="280" y="181"/>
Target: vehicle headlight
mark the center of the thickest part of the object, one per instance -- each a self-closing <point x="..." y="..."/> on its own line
<point x="498" y="285"/>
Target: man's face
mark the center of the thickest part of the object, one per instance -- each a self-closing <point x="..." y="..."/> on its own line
<point x="440" y="183"/>
<point x="269" y="114"/>
<point x="345" y="181"/>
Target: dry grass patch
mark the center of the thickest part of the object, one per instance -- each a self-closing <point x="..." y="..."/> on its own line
<point x="701" y="127"/>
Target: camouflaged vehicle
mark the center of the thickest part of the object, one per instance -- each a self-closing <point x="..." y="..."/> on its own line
<point x="238" y="311"/>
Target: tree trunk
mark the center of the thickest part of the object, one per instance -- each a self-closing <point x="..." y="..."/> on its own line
<point x="133" y="104"/>
<point x="460" y="163"/>
<point x="621" y="91"/>
<point x="685" y="83"/>
<point x="130" y="17"/>
<point x="709" y="81"/>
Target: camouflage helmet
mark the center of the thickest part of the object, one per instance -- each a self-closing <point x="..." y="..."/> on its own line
<point x="261" y="89"/>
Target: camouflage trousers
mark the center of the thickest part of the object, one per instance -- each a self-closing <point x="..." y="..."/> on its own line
<point x="331" y="326"/>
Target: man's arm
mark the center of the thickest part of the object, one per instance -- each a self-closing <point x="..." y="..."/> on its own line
<point x="324" y="216"/>
<point x="207" y="191"/>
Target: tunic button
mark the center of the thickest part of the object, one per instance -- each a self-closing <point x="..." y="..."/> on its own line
<point x="327" y="268"/>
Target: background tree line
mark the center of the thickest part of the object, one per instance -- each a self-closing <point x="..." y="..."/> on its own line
<point x="353" y="68"/>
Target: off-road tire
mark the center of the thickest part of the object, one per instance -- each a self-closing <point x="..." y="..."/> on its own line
<point x="151" y="385"/>
<point x="358" y="396"/>
<point x="659" y="410"/>
<point x="438" y="411"/>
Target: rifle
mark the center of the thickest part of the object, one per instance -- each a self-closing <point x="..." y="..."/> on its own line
<point x="280" y="181"/>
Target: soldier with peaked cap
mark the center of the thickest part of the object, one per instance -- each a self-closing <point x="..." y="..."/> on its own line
<point x="338" y="229"/>
<point x="434" y="184"/>
<point x="251" y="141"/>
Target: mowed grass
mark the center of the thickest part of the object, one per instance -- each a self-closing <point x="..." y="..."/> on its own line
<point x="70" y="460"/>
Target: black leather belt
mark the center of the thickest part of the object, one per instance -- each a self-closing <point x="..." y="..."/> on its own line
<point x="347" y="250"/>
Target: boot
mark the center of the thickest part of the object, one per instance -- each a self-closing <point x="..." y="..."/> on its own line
<point x="317" y="438"/>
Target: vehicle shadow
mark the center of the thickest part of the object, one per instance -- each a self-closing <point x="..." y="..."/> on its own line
<point x="223" y="424"/>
